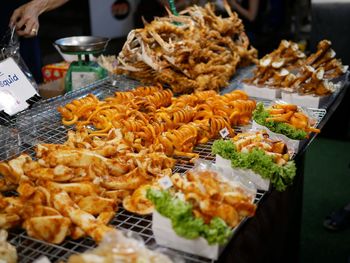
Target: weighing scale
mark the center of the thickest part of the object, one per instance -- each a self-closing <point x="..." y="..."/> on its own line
<point x="83" y="71"/>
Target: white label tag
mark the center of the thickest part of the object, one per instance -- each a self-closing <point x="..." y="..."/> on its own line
<point x="81" y="79"/>
<point x="224" y="132"/>
<point x="165" y="182"/>
<point x="15" y="88"/>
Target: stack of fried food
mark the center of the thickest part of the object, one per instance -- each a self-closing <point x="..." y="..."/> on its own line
<point x="318" y="69"/>
<point x="291" y="115"/>
<point x="196" y="50"/>
<point x="74" y="192"/>
<point x="288" y="68"/>
<point x="278" y="68"/>
<point x="247" y="141"/>
<point x="212" y="197"/>
<point x="150" y="117"/>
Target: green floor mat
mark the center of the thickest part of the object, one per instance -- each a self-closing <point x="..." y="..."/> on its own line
<point x="326" y="188"/>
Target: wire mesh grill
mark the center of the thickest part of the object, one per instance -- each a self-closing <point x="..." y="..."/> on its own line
<point x="42" y="124"/>
<point x="318" y="115"/>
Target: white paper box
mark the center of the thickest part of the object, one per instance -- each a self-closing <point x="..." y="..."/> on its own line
<point x="308" y="101"/>
<point x="166" y="236"/>
<point x="264" y="93"/>
<point x="259" y="182"/>
<point x="293" y="145"/>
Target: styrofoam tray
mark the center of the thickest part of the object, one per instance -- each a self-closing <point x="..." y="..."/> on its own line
<point x="166" y="236"/>
<point x="262" y="92"/>
<point x="309" y="101"/>
<point x="259" y="182"/>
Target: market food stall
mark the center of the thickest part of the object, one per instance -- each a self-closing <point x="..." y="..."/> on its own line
<point x="99" y="146"/>
<point x="273" y="233"/>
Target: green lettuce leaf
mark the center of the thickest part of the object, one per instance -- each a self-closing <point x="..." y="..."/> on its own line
<point x="217" y="231"/>
<point x="183" y="221"/>
<point x="259" y="162"/>
<point x="260" y="115"/>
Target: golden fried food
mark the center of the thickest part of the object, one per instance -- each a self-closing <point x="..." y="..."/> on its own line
<point x="138" y="202"/>
<point x="52" y="229"/>
<point x="75" y="192"/>
<point x="151" y="118"/>
<point x="247" y="141"/>
<point x="196" y="50"/>
<point x="278" y="66"/>
<point x="288" y="68"/>
<point x="212" y="196"/>
<point x="119" y="146"/>
<point x="87" y="222"/>
<point x="290" y="114"/>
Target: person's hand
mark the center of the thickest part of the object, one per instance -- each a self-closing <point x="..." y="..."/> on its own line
<point x="25" y="19"/>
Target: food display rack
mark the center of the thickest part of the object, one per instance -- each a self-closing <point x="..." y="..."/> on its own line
<point x="42" y="124"/>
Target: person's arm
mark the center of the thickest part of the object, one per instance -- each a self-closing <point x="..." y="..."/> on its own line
<point x="25" y="17"/>
<point x="250" y="13"/>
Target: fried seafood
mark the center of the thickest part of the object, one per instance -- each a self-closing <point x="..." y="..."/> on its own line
<point x="211" y="196"/>
<point x="73" y="189"/>
<point x="319" y="68"/>
<point x="288" y="68"/>
<point x="246" y="142"/>
<point x="279" y="66"/>
<point x="78" y="108"/>
<point x="150" y="117"/>
<point x="196" y="50"/>
<point x="120" y="147"/>
<point x="290" y="114"/>
<point x="138" y="202"/>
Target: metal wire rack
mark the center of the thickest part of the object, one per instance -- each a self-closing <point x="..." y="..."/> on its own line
<point x="318" y="114"/>
<point x="42" y="124"/>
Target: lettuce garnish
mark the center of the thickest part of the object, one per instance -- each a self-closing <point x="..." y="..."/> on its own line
<point x="256" y="160"/>
<point x="260" y="115"/>
<point x="183" y="221"/>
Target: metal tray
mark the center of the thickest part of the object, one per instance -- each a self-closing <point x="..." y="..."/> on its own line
<point x="81" y="44"/>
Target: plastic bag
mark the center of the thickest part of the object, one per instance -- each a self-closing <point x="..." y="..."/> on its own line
<point x="237" y="183"/>
<point x="119" y="247"/>
<point x="9" y="47"/>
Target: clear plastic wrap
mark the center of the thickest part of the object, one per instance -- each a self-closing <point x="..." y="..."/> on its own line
<point x="204" y="206"/>
<point x="9" y="47"/>
<point x="124" y="247"/>
<point x="228" y="176"/>
<point x="293" y="144"/>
